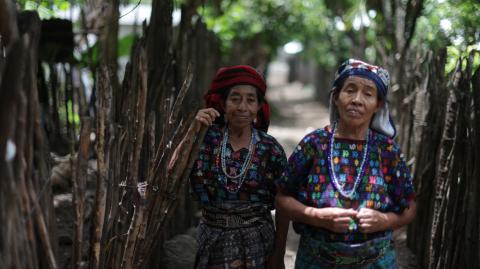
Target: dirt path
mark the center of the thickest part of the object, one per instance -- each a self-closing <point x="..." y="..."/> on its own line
<point x="294" y="114"/>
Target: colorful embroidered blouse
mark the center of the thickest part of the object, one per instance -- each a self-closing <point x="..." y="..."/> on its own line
<point x="265" y="172"/>
<point x="385" y="184"/>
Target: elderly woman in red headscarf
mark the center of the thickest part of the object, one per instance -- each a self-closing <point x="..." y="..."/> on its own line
<point x="235" y="175"/>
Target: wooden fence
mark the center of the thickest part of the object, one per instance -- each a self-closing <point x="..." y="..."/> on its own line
<point x="136" y="128"/>
<point x="440" y="132"/>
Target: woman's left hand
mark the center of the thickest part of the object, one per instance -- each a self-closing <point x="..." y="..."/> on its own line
<point x="371" y="220"/>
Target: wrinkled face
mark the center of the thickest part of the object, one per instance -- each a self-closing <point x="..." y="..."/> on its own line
<point x="357" y="101"/>
<point x="241" y="105"/>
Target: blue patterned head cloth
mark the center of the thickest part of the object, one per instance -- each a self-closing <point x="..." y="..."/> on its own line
<point x="353" y="67"/>
<point x="381" y="121"/>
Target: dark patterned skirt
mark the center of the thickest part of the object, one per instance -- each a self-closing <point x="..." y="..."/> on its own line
<point x="315" y="253"/>
<point x="234" y="235"/>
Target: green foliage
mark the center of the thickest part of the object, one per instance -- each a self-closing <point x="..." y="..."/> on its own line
<point x="328" y="30"/>
<point x="453" y="24"/>
<point x="454" y="53"/>
<point x="450" y="22"/>
<point x="243" y="20"/>
<point x="49" y="8"/>
<point x="276" y="22"/>
<point x="338" y="30"/>
<point x="125" y="45"/>
<point x="45" y="9"/>
<point x="90" y="57"/>
<point x="73" y="117"/>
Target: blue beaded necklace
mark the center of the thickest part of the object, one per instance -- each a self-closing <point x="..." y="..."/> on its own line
<point x="360" y="169"/>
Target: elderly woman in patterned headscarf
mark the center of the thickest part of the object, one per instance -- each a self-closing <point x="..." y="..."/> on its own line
<point x="235" y="175"/>
<point x="348" y="185"/>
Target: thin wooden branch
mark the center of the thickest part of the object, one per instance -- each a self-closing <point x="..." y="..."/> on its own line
<point x="42" y="229"/>
<point x="193" y="156"/>
<point x="128" y="261"/>
<point x="103" y="117"/>
<point x="139" y="121"/>
<point x="79" y="191"/>
<point x="448" y="137"/>
<point x="152" y="145"/>
<point x="138" y="215"/>
<point x="181" y="96"/>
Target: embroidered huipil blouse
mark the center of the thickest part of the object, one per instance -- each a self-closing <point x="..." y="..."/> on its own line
<point x="385" y="184"/>
<point x="268" y="162"/>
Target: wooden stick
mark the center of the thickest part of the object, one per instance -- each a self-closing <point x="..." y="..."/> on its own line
<point x="79" y="191"/>
<point x="103" y="109"/>
<point x="133" y="232"/>
<point x="138" y="216"/>
<point x="42" y="228"/>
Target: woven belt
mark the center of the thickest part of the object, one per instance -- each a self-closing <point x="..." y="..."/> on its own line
<point x="336" y="259"/>
<point x="235" y="218"/>
<point x="341" y="254"/>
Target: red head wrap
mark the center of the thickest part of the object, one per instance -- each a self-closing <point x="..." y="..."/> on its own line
<point x="228" y="77"/>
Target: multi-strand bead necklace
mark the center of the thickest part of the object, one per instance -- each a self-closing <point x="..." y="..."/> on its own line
<point x="245" y="166"/>
<point x="360" y="169"/>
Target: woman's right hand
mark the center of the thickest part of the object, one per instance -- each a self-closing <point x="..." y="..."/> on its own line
<point x="205" y="117"/>
<point x="335" y="219"/>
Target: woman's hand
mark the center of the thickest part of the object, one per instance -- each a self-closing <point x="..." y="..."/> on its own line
<point x="371" y="220"/>
<point x="206" y="117"/>
<point x="335" y="219"/>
